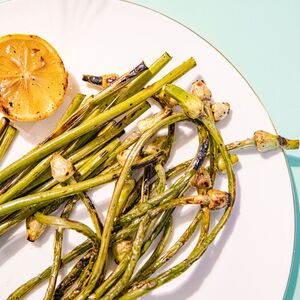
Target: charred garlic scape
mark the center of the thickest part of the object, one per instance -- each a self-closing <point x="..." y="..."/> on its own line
<point x="104" y="80"/>
<point x="156" y="146"/>
<point x="201" y="180"/>
<point x="145" y="124"/>
<point x="61" y="168"/>
<point x="200" y="89"/>
<point x="190" y="104"/>
<point x="121" y="249"/>
<point x="264" y="141"/>
<point x="220" y="110"/>
<point x="214" y="199"/>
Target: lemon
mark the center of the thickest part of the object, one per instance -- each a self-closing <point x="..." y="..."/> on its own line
<point x="33" y="79"/>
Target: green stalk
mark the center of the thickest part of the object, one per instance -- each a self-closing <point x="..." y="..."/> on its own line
<point x="161" y="180"/>
<point x="138" y="83"/>
<point x="91" y="210"/>
<point x="108" y="225"/>
<point x="6" y="140"/>
<point x="125" y="232"/>
<point x="152" y="267"/>
<point x="4" y="122"/>
<point x="130" y="140"/>
<point x="80" y="130"/>
<point x="98" y="99"/>
<point x="166" y="236"/>
<point x="32" y="175"/>
<point x="58" y="222"/>
<point x="72" y="276"/>
<point x="21" y="215"/>
<point x="143" y="287"/>
<point x="58" y="250"/>
<point x="111" y="130"/>
<point x="35" y="229"/>
<point x="176" y="189"/>
<point x="172" y="204"/>
<point x="32" y="283"/>
<point x="127" y="189"/>
<point x="148" y="160"/>
<point x="5" y="186"/>
<point x="135" y="255"/>
<point x="81" y="282"/>
<point x="141" y="208"/>
<point x="96" y="160"/>
<point x="108" y="283"/>
<point x="75" y="103"/>
<point x="52" y="195"/>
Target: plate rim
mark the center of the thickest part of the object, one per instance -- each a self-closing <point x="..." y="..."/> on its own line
<point x="289" y="283"/>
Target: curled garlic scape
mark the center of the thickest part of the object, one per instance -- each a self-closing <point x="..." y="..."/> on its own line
<point x="265" y="141"/>
<point x="190" y="103"/>
<point x="61" y="168"/>
<point x="214" y="199"/>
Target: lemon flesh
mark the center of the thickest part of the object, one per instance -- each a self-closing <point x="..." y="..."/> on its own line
<point x="33" y="79"/>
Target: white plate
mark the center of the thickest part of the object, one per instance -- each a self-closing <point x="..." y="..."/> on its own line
<point x="251" y="259"/>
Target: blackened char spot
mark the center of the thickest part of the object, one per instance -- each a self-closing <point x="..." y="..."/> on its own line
<point x="137" y="70"/>
<point x="96" y="80"/>
<point x="201" y="155"/>
<point x="5" y="110"/>
<point x="115" y="176"/>
<point x="147" y="162"/>
<point x="229" y="199"/>
<point x="282" y="141"/>
<point x="119" y="124"/>
<point x="103" y="154"/>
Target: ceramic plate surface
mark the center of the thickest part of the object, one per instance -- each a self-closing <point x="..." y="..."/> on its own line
<point x="251" y="258"/>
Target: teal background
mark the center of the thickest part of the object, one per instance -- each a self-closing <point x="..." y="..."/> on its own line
<point x="262" y="39"/>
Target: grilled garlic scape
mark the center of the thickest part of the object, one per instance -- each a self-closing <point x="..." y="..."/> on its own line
<point x="123" y="156"/>
<point x="145" y="124"/>
<point x="214" y="199"/>
<point x="104" y="81"/>
<point x="201" y="180"/>
<point x="200" y="89"/>
<point x="34" y="229"/>
<point x="218" y="199"/>
<point x="220" y="110"/>
<point x="121" y="249"/>
<point x="166" y="100"/>
<point x="190" y="103"/>
<point x="221" y="163"/>
<point x="156" y="146"/>
<point x="61" y="168"/>
<point x="265" y="141"/>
